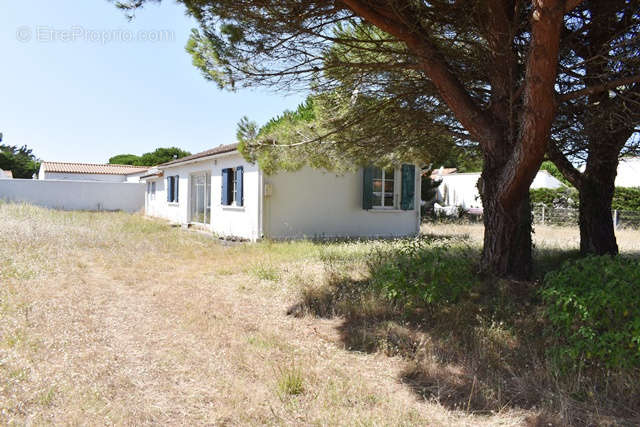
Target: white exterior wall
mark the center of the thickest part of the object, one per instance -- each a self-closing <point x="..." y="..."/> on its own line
<point x="229" y="221"/>
<point x="628" y="173"/>
<point x="318" y="204"/>
<point x="308" y="203"/>
<point x="236" y="221"/>
<point x="461" y="189"/>
<point x="74" y="195"/>
<point x="544" y="179"/>
<point x="43" y="175"/>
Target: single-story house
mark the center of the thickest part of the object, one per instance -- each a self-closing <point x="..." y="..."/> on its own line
<point x="220" y="191"/>
<point x="461" y="189"/>
<point x="628" y="172"/>
<point x="90" y="172"/>
<point x="6" y="174"/>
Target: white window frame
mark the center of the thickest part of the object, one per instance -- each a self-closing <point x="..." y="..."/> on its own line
<point x="396" y="190"/>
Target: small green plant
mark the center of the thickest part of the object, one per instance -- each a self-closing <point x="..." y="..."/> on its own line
<point x="593" y="307"/>
<point x="420" y="272"/>
<point x="265" y="271"/>
<point x="290" y="382"/>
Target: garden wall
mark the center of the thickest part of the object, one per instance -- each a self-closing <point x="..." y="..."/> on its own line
<point x="75" y="195"/>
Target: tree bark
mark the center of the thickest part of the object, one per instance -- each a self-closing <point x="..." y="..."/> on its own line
<point x="597" y="235"/>
<point x="507" y="248"/>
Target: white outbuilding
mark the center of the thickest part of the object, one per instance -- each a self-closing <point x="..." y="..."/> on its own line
<point x="90" y="172"/>
<point x="461" y="189"/>
<point x="6" y="174"/>
<point x="220" y="191"/>
<point x="628" y="172"/>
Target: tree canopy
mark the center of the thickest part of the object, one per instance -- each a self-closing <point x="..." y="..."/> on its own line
<point x="486" y="72"/>
<point x="19" y="160"/>
<point x="156" y="157"/>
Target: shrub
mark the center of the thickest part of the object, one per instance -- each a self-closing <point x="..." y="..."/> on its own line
<point x="556" y="198"/>
<point x="593" y="306"/>
<point x="626" y="199"/>
<point x="421" y="272"/>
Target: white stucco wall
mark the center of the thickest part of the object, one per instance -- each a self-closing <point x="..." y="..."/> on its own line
<point x="74" y="195"/>
<point x="308" y="203"/>
<point x="318" y="204"/>
<point x="226" y="221"/>
<point x="628" y="173"/>
<point x="80" y="177"/>
<point x="460" y="189"/>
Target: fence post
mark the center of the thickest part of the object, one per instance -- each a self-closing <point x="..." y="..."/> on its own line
<point x="615" y="219"/>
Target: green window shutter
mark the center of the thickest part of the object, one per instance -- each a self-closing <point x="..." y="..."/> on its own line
<point x="177" y="184"/>
<point x="407" y="201"/>
<point x="367" y="188"/>
<point x="169" y="188"/>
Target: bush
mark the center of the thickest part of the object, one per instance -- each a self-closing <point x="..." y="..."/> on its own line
<point x="555" y="198"/>
<point x="624" y="199"/>
<point x="593" y="306"/>
<point x="420" y="272"/>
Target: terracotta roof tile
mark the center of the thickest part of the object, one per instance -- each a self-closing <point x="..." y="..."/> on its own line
<point x="91" y="168"/>
<point x="218" y="150"/>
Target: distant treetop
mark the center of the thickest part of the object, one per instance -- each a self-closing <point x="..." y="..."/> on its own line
<point x="160" y="155"/>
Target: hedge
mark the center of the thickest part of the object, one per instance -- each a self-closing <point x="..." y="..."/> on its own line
<point x="624" y="199"/>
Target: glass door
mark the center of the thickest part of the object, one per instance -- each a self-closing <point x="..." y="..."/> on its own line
<point x="200" y="196"/>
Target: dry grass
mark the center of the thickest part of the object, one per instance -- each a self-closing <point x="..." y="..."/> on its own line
<point x="108" y="318"/>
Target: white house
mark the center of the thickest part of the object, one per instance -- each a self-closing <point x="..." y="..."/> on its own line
<point x="461" y="189"/>
<point x="6" y="174"/>
<point x="222" y="192"/>
<point x="628" y="172"/>
<point x="90" y="172"/>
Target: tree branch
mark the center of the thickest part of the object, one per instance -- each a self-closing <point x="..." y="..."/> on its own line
<point x="598" y="88"/>
<point x="473" y="118"/>
<point x="572" y="174"/>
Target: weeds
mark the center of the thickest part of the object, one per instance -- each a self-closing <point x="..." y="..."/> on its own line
<point x="290" y="382"/>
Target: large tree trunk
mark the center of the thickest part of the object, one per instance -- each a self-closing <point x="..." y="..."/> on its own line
<point x="507" y="230"/>
<point x="597" y="235"/>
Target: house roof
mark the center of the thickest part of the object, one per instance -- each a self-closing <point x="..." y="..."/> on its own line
<point x="212" y="152"/>
<point x="442" y="171"/>
<point x="91" y="168"/>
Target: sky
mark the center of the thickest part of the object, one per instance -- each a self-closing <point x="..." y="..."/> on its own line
<point x="80" y="83"/>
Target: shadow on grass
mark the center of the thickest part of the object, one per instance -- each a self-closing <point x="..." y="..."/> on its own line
<point x="484" y="353"/>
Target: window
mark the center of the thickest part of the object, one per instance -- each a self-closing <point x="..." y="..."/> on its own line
<point x="173" y="185"/>
<point x="389" y="188"/>
<point x="384" y="191"/>
<point x="153" y="190"/>
<point x="233" y="186"/>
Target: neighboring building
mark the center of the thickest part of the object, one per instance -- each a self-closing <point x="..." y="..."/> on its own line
<point x="220" y="191"/>
<point x="6" y="174"/>
<point x="460" y="189"/>
<point x="91" y="172"/>
<point x="628" y="172"/>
